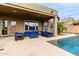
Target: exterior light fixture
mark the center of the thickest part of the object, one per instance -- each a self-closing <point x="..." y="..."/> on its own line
<point x="14" y="11"/>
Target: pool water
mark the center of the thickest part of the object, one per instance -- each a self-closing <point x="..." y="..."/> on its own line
<point x="70" y="44"/>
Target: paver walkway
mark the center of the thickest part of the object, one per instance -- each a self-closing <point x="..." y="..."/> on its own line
<point x="30" y="47"/>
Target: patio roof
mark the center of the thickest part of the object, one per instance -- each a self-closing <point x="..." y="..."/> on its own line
<point x="30" y="12"/>
<point x="20" y="9"/>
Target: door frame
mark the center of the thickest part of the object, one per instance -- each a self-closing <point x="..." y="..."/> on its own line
<point x="2" y="26"/>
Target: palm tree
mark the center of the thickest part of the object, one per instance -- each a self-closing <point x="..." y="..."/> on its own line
<point x="61" y="27"/>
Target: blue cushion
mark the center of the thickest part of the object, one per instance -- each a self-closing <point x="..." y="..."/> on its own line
<point x="17" y="33"/>
<point x="31" y="33"/>
<point x="46" y="33"/>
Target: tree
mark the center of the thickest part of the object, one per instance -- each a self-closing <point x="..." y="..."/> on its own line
<point x="61" y="27"/>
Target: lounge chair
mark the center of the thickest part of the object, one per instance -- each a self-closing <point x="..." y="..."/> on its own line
<point x="47" y="34"/>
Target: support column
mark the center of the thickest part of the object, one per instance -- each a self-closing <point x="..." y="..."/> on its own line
<point x="55" y="25"/>
<point x="49" y="25"/>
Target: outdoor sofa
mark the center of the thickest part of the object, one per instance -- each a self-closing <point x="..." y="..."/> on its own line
<point x="46" y="34"/>
<point x="31" y="34"/>
<point x="19" y="36"/>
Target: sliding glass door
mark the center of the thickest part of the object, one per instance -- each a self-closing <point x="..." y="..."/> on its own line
<point x="4" y="27"/>
<point x="31" y="25"/>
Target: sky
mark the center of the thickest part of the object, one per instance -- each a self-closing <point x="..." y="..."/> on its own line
<point x="65" y="10"/>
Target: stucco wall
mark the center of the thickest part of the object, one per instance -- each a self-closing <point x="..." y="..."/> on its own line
<point x="50" y="23"/>
<point x="19" y="24"/>
<point x="72" y="29"/>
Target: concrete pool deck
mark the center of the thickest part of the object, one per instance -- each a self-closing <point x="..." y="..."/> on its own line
<point x="32" y="47"/>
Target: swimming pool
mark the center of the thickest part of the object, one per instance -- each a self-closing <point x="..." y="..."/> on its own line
<point x="70" y="44"/>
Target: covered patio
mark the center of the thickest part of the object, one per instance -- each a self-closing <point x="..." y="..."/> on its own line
<point x="26" y="17"/>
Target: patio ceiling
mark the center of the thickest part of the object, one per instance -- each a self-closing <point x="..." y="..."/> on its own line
<point x="20" y="12"/>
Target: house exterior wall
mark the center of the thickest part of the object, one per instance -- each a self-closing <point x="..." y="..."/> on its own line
<point x="19" y="24"/>
<point x="24" y="10"/>
<point x="50" y="23"/>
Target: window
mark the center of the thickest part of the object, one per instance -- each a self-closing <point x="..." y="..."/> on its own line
<point x="6" y="23"/>
<point x="4" y="27"/>
<point x="45" y="26"/>
<point x="31" y="25"/>
<point x="51" y="26"/>
<point x="13" y="22"/>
